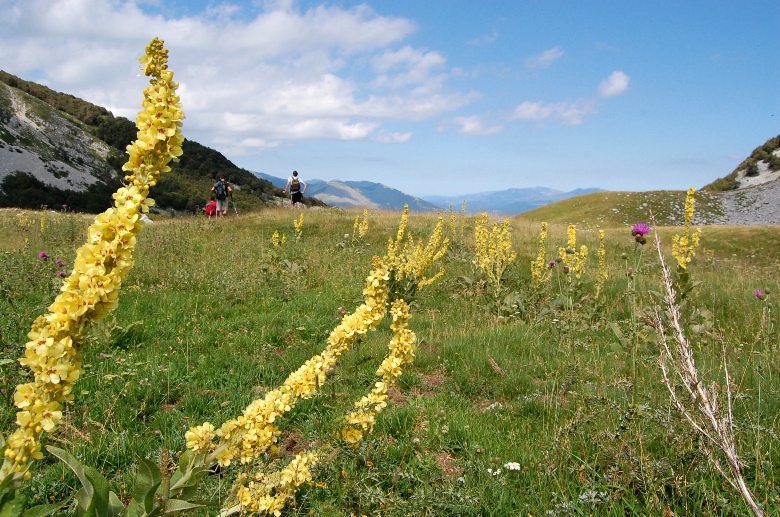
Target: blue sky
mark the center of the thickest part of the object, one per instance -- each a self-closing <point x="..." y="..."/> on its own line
<point x="434" y="97"/>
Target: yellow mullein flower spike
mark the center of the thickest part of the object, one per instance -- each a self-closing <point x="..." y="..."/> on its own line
<point x="540" y="273"/>
<point x="53" y="353"/>
<point x="402" y="347"/>
<point x="684" y="245"/>
<point x="494" y="251"/>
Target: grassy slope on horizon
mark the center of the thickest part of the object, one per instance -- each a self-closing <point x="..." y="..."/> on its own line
<point x="615" y="209"/>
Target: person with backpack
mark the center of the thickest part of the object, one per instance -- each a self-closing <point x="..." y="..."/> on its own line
<point x="222" y="190"/>
<point x="211" y="208"/>
<point x="294" y="188"/>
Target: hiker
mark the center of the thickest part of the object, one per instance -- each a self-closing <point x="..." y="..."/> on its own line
<point x="222" y="190"/>
<point x="294" y="187"/>
<point x="211" y="208"/>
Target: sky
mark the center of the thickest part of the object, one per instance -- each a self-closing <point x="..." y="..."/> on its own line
<point x="433" y="97"/>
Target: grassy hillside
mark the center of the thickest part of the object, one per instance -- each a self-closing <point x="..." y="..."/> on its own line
<point x="544" y="400"/>
<point x="610" y="209"/>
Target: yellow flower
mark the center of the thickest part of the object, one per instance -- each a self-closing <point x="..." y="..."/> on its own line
<point x="493" y="251"/>
<point x="603" y="273"/>
<point x="684" y="245"/>
<point x="539" y="270"/>
<point x="402" y="347"/>
<point x="91" y="291"/>
<point x="250" y="435"/>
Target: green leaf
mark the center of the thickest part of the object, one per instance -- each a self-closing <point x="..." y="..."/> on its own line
<point x="177" y="505"/>
<point x="115" y="506"/>
<point x="45" y="510"/>
<point x="619" y="334"/>
<point x="12" y="503"/>
<point x="92" y="499"/>
<point x="146" y="484"/>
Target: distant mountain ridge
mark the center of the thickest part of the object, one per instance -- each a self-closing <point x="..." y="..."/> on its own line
<point x="368" y="194"/>
<point x="507" y="202"/>
<point x="356" y="194"/>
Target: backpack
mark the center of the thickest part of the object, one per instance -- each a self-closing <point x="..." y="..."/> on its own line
<point x="295" y="185"/>
<point x="221" y="189"/>
<point x="211" y="208"/>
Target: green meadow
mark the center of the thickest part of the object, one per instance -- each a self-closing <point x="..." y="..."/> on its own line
<point x="545" y="399"/>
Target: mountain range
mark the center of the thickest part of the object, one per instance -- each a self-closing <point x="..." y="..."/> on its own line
<point x="356" y="194"/>
<point x="57" y="150"/>
<point x="376" y="196"/>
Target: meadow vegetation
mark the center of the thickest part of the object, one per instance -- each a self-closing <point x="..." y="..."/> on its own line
<point x="530" y="392"/>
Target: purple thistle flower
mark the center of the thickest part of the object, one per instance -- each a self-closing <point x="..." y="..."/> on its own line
<point x="60" y="273"/>
<point x="640" y="229"/>
<point x="552" y="263"/>
<point x="43" y="255"/>
<point x="61" y="263"/>
<point x="759" y="294"/>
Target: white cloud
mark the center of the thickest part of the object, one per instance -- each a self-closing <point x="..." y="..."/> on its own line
<point x="475" y="126"/>
<point x="411" y="66"/>
<point x="544" y="59"/>
<point x="392" y="138"/>
<point x="568" y="113"/>
<point x="616" y="84"/>
<point x="251" y="76"/>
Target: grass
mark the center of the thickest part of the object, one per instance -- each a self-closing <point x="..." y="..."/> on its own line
<point x="615" y="209"/>
<point x="213" y="316"/>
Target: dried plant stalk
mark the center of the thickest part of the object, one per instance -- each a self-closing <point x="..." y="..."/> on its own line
<point x="700" y="407"/>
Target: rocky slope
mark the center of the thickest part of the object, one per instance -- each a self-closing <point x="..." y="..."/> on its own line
<point x="42" y="142"/>
<point x="755" y="202"/>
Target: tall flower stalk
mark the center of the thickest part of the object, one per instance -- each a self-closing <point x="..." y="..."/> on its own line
<point x="540" y="270"/>
<point x="247" y="437"/>
<point x="494" y="251"/>
<point x="361" y="421"/>
<point x="409" y="261"/>
<point x="684" y="247"/>
<point x="54" y="350"/>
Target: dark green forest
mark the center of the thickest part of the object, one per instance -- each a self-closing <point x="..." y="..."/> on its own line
<point x="186" y="189"/>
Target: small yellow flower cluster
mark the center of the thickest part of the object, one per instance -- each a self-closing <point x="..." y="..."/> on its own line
<point x="453" y="224"/>
<point x="573" y="260"/>
<point x="360" y="228"/>
<point x="251" y="434"/>
<point x="457" y="225"/>
<point x="275" y="239"/>
<point x="53" y="353"/>
<point x="412" y="261"/>
<point x="540" y="272"/>
<point x="684" y="245"/>
<point x="603" y="272"/>
<point x="402" y="346"/>
<point x="268" y="494"/>
<point x="493" y="250"/>
<point x="298" y="223"/>
<point x="159" y="137"/>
